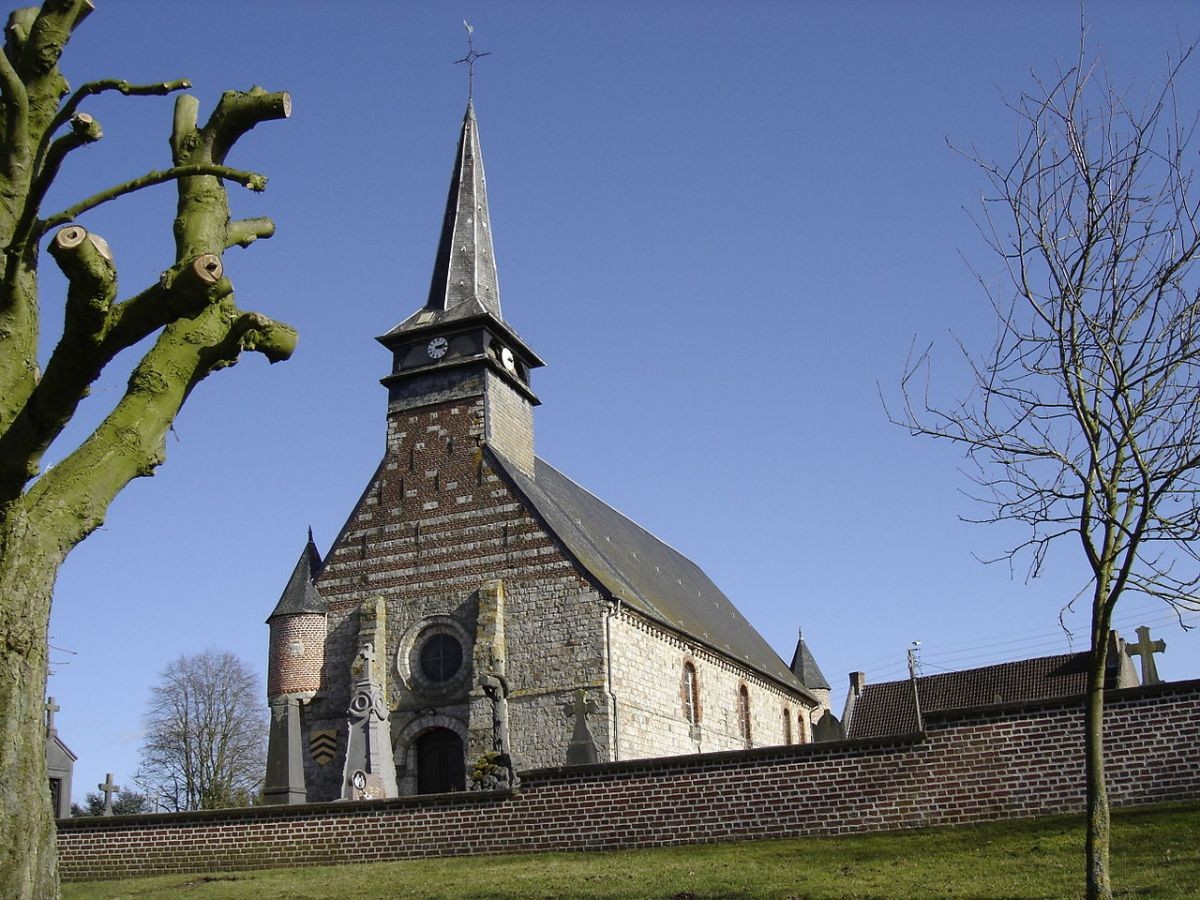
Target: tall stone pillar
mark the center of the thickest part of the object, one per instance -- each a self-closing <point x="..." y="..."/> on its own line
<point x="285" y="764"/>
<point x="489" y="750"/>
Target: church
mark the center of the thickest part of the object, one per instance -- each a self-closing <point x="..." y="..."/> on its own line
<point x="480" y="613"/>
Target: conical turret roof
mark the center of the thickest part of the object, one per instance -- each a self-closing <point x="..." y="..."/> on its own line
<point x="301" y="595"/>
<point x="805" y="667"/>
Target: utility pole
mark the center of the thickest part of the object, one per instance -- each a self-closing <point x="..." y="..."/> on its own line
<point x="912" y="674"/>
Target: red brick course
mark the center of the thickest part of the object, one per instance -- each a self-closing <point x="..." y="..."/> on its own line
<point x="968" y="766"/>
<point x="297" y="654"/>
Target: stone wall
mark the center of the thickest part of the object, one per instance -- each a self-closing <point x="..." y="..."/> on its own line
<point x="999" y="762"/>
<point x="648" y="682"/>
<point x="509" y="423"/>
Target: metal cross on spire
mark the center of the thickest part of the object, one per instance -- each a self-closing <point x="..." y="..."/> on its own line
<point x="469" y="59"/>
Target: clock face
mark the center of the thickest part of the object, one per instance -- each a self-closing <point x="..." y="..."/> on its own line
<point x="506" y="358"/>
<point x="437" y="348"/>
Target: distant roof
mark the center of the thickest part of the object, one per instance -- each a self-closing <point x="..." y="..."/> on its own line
<point x="887" y="708"/>
<point x="646" y="574"/>
<point x="301" y="595"/>
<point x="805" y="667"/>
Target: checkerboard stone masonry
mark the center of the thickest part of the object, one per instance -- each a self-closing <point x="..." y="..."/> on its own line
<point x="434" y="525"/>
<point x="968" y="766"/>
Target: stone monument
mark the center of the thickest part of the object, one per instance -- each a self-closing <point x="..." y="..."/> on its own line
<point x="370" y="772"/>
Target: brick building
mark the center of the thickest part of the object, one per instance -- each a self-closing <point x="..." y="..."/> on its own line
<point x="890" y="707"/>
<point x="481" y="613"/>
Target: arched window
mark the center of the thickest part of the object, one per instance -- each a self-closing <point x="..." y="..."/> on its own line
<point x="787" y="725"/>
<point x="691" y="695"/>
<point x="744" y="713"/>
<point x="801" y="733"/>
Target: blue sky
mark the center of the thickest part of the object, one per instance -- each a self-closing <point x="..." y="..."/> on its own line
<point x="721" y="224"/>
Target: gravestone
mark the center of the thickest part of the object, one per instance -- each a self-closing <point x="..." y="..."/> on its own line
<point x="109" y="789"/>
<point x="582" y="749"/>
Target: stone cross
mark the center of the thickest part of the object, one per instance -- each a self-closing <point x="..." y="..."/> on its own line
<point x="51" y="709"/>
<point x="367" y="655"/>
<point x="109" y="789"/>
<point x="1146" y="648"/>
<point x="582" y="749"/>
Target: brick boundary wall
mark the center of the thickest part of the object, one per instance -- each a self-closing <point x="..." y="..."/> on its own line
<point x="1005" y="761"/>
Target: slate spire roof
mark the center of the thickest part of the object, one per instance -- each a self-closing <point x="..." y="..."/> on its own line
<point x="301" y="594"/>
<point x="805" y="667"/>
<point x="464" y="282"/>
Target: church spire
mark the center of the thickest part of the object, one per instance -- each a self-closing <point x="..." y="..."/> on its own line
<point x="464" y="274"/>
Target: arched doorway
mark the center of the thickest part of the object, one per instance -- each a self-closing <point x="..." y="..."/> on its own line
<point x="440" y="765"/>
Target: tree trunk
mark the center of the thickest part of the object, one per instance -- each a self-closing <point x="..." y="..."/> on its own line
<point x="1096" y="851"/>
<point x="28" y="567"/>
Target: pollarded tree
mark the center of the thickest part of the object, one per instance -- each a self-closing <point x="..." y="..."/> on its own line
<point x="205" y="734"/>
<point x="196" y="329"/>
<point x="1085" y="418"/>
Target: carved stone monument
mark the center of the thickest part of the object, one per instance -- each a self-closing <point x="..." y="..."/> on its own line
<point x="370" y="771"/>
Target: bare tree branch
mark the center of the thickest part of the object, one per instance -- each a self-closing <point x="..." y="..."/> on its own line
<point x="251" y="180"/>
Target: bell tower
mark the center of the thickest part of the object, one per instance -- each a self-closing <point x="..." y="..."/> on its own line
<point x="458" y="347"/>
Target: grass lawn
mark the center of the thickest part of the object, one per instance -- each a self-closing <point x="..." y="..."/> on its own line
<point x="1155" y="853"/>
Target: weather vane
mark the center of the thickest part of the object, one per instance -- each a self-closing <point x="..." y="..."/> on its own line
<point x="470" y="58"/>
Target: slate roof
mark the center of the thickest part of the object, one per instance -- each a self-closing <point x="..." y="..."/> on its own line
<point x="647" y="575"/>
<point x="464" y="283"/>
<point x="887" y="708"/>
<point x="804" y="666"/>
<point x="301" y="595"/>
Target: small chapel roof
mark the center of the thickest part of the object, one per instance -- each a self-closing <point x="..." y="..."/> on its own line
<point x="649" y="576"/>
<point x="301" y="595"/>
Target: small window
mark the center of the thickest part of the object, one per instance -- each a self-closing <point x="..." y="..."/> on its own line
<point x="787" y="725"/>
<point x="801" y="733"/>
<point x="744" y="712"/>
<point x="441" y="657"/>
<point x="691" y="694"/>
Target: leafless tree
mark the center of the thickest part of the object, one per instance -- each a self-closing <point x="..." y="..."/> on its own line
<point x="1084" y="422"/>
<point x="205" y="743"/>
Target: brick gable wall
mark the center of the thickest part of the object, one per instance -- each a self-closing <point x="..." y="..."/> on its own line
<point x="433" y="526"/>
<point x="970" y="766"/>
